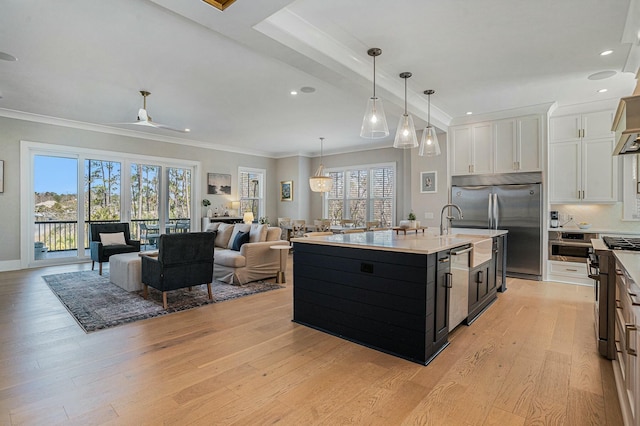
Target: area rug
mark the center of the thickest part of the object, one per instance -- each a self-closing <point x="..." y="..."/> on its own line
<point x="97" y="304"/>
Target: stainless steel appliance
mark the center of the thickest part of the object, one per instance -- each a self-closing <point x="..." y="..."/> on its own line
<point x="554" y="222"/>
<point x="602" y="268"/>
<point x="570" y="246"/>
<point x="459" y="293"/>
<point x="511" y="201"/>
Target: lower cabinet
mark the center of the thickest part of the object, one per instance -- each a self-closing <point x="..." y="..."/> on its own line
<point x="394" y="302"/>
<point x="482" y="288"/>
<point x="626" y="365"/>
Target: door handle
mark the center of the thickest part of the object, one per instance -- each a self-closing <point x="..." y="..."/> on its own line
<point x="627" y="329"/>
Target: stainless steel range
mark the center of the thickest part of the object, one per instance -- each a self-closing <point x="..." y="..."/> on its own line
<point x="602" y="269"/>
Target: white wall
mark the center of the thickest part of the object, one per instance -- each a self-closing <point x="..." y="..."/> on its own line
<point x="295" y="169"/>
<point x="429" y="203"/>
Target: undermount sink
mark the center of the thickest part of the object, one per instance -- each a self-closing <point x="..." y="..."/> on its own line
<point x="482" y="247"/>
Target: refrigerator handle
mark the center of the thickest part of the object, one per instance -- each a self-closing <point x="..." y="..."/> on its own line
<point x="489" y="215"/>
<point x="496" y="211"/>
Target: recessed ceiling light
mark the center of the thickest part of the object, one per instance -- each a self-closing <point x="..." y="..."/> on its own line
<point x="606" y="52"/>
<point x="602" y="90"/>
<point x="293" y="92"/>
<point x="469" y="112"/>
<point x="601" y="75"/>
<point x="6" y="57"/>
<point x="187" y="130"/>
<point x="307" y="89"/>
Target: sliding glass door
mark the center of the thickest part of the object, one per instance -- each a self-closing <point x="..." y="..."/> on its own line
<point x="72" y="188"/>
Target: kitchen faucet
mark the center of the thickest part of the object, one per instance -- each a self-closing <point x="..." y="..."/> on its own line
<point x="444" y="226"/>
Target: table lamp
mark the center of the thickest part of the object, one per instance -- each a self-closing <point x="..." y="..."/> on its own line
<point x="248" y="217"/>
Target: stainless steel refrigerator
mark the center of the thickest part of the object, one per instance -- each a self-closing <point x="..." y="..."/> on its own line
<point x="511" y="201"/>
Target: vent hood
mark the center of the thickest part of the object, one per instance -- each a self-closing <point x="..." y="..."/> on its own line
<point x="626" y="124"/>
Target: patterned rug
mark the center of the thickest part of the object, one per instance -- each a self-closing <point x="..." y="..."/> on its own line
<point x="97" y="304"/>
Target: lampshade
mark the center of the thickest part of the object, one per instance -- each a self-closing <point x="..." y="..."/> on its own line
<point x="319" y="182"/>
<point x="429" y="145"/>
<point x="406" y="132"/>
<point x="374" y="123"/>
<point x="248" y="217"/>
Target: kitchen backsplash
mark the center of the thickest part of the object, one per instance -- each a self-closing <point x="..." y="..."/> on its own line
<point x="600" y="216"/>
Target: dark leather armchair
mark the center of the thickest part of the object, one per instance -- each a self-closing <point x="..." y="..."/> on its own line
<point x="183" y="260"/>
<point x="101" y="253"/>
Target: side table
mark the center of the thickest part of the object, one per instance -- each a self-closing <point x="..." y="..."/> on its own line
<point x="284" y="251"/>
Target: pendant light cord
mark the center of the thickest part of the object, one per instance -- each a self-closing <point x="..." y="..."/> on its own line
<point x="429" y="112"/>
<point x="374" y="78"/>
<point x="405" y="96"/>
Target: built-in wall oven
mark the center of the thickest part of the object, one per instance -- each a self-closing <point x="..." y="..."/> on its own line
<point x="570" y="246"/>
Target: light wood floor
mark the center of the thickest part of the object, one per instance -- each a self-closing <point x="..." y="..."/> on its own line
<point x="529" y="360"/>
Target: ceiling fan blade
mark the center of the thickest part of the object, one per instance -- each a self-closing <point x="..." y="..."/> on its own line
<point x="162" y="126"/>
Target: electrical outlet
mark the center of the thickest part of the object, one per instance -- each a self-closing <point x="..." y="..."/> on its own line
<point x="428" y="215"/>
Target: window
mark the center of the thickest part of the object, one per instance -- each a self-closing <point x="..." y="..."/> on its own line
<point x="251" y="191"/>
<point x="67" y="188"/>
<point x="362" y="193"/>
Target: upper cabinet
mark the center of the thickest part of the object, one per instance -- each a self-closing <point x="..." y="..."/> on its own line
<point x="501" y="146"/>
<point x="581" y="166"/>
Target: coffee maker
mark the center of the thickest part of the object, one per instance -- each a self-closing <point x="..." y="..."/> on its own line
<point x="554" y="218"/>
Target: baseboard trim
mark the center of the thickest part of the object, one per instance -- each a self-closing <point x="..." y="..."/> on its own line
<point x="10" y="265"/>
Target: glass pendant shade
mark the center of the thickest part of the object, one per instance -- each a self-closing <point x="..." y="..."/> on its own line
<point x="374" y="123"/>
<point x="319" y="182"/>
<point x="429" y="146"/>
<point x="406" y="132"/>
<point x="406" y="135"/>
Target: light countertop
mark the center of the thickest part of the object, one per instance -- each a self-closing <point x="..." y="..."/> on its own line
<point x="592" y="230"/>
<point x="411" y="243"/>
<point x="631" y="262"/>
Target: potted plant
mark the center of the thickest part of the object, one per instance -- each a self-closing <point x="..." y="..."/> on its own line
<point x="412" y="219"/>
<point x="206" y="203"/>
<point x="263" y="220"/>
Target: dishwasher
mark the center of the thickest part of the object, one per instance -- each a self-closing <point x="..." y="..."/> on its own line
<point x="459" y="293"/>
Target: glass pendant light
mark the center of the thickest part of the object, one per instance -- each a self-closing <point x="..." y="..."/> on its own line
<point x="319" y="182"/>
<point x="429" y="145"/>
<point x="374" y="123"/>
<point x="406" y="133"/>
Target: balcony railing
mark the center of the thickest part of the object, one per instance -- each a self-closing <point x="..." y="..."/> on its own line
<point x="61" y="235"/>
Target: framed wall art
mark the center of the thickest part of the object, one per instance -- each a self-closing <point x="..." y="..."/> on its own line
<point x="218" y="184"/>
<point x="429" y="182"/>
<point x="286" y="190"/>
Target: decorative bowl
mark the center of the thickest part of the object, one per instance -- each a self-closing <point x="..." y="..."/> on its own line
<point x="584" y="225"/>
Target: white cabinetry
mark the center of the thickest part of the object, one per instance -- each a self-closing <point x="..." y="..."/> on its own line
<point x="581" y="166"/>
<point x="518" y="146"/>
<point x="501" y="146"/>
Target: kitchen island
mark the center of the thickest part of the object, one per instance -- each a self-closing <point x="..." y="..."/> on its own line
<point x="385" y="291"/>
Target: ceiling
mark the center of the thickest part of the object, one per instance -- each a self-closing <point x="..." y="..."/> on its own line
<point x="227" y="75"/>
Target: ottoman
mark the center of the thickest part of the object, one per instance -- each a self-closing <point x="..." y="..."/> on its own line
<point x="125" y="271"/>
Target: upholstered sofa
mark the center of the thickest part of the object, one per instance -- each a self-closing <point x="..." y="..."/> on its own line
<point x="254" y="260"/>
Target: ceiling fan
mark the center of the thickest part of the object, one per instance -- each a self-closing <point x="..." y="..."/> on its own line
<point x="144" y="119"/>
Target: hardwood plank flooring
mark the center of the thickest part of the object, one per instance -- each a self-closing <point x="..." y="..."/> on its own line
<point x="530" y="359"/>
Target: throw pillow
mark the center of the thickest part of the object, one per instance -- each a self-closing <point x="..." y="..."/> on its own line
<point x="213" y="226"/>
<point x="241" y="238"/>
<point x="258" y="233"/>
<point x="224" y="234"/>
<point x="113" y="239"/>
<point x="238" y="227"/>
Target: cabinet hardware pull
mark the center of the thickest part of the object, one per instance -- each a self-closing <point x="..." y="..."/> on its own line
<point x="444" y="260"/>
<point x="448" y="281"/>
<point x="479" y="277"/>
<point x="627" y="329"/>
<point x="578" y="194"/>
<point x="583" y="194"/>
<point x="571" y="270"/>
